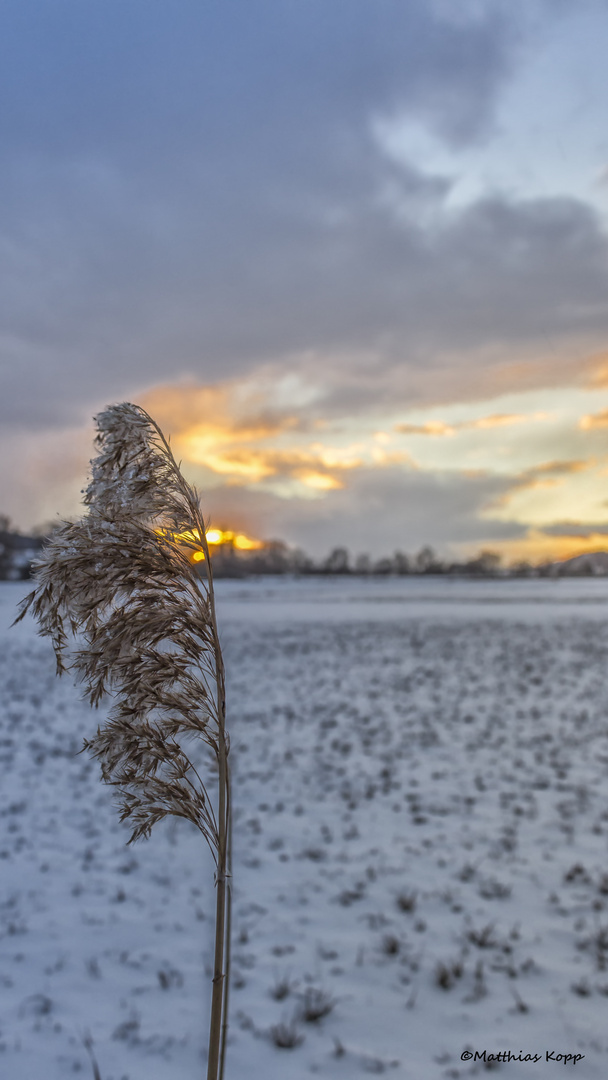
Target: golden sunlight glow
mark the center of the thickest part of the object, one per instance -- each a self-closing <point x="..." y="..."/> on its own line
<point x="598" y="372"/>
<point x="247" y="437"/>
<point x="248" y="465"/>
<point x="530" y="451"/>
<point x="504" y="419"/>
<point x="380" y="456"/>
<point x="336" y="457"/>
<point x="216" y="538"/>
<point x="594" y="420"/>
<point x="245" y="543"/>
<point x="539" y="547"/>
<point x="320" y="481"/>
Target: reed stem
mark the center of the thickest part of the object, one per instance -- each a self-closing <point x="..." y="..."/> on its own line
<point x="219" y="998"/>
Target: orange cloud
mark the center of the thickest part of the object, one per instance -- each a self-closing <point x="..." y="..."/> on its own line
<point x="594" y="420"/>
<point x="432" y="427"/>
<point x="231" y="431"/>
<point x="319" y="481"/>
<point x="251" y="465"/>
<point x="437" y="427"/>
<point x="229" y="410"/>
<point x="504" y="420"/>
<point x="559" y="468"/>
<point x="597" y="368"/>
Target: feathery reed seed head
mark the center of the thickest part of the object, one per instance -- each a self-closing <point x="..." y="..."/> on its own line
<point x="127" y="612"/>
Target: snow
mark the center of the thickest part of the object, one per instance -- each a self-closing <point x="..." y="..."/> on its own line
<point x="421" y="812"/>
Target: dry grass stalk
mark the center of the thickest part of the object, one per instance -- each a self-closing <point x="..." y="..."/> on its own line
<point x="129" y="613"/>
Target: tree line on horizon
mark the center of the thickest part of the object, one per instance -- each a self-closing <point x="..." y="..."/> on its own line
<point x="18" y="552"/>
<point x="277" y="557"/>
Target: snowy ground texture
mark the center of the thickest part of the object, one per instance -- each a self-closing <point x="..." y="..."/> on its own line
<point x="421" y="828"/>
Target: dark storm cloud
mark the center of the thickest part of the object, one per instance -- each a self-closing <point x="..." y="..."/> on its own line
<point x="190" y="190"/>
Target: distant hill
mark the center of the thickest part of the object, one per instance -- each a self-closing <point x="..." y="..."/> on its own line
<point x="592" y="564"/>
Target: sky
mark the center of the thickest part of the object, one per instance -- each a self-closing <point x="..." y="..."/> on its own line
<point x="353" y="258"/>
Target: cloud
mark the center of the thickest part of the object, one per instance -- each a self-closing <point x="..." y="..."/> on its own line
<point x="432" y="427"/>
<point x="585" y="529"/>
<point x="366" y="309"/>
<point x="201" y="193"/>
<point x="596" y="371"/>
<point x="239" y="410"/>
<point x="546" y="475"/>
<point x="556" y="468"/>
<point x="437" y="427"/>
<point x="82" y="76"/>
<point x="274" y="472"/>
<point x="540" y="546"/>
<point x="239" y="432"/>
<point x="389" y="509"/>
<point x="594" y="420"/>
<point x="380" y="510"/>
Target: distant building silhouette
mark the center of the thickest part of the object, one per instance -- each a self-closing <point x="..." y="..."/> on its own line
<point x="17" y="554"/>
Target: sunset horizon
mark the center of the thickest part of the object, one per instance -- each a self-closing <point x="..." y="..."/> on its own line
<point x="356" y="270"/>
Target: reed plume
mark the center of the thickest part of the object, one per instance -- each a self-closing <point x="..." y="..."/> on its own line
<point x="133" y="616"/>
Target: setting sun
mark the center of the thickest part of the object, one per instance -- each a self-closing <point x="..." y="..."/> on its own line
<point x="216" y="538"/>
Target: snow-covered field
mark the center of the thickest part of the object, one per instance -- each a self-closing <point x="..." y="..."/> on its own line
<point x="421" y="866"/>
